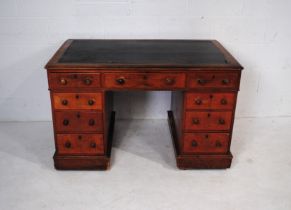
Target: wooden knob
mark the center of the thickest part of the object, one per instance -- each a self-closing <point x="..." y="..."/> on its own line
<point x="223" y="101"/>
<point x="201" y="81"/>
<point x="120" y="81"/>
<point x="91" y="122"/>
<point x="93" y="145"/>
<point x="88" y="81"/>
<point x="66" y="122"/>
<point x="218" y="144"/>
<point x="198" y="101"/>
<point x="65" y="102"/>
<point x="90" y="102"/>
<point x="221" y="121"/>
<point x="194" y="143"/>
<point x="225" y="81"/>
<point x="195" y="121"/>
<point x="63" y="81"/>
<point x="169" y="81"/>
<point x="68" y="144"/>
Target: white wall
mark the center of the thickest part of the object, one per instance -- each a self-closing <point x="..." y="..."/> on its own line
<point x="256" y="32"/>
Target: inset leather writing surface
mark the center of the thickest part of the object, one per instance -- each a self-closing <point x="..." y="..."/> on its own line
<point x="151" y="52"/>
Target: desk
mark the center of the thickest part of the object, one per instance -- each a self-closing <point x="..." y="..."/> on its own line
<point x="203" y="77"/>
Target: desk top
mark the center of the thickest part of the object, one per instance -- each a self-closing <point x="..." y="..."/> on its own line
<point x="142" y="53"/>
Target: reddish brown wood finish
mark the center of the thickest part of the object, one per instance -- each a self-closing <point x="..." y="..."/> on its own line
<point x="203" y="143"/>
<point x="78" y="121"/>
<point x="144" y="80"/>
<point x="81" y="162"/>
<point x="78" y="101"/>
<point x="197" y="161"/>
<point x="221" y="80"/>
<point x="87" y="162"/>
<point x="203" y="92"/>
<point x="212" y="161"/>
<point x="80" y="144"/>
<point x="203" y="120"/>
<point x="177" y="108"/>
<point x="73" y="80"/>
<point x="224" y="101"/>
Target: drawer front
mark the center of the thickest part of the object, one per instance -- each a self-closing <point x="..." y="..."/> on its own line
<point x="208" y="120"/>
<point x="74" y="80"/>
<point x="206" y="142"/>
<point x="86" y="144"/>
<point x="82" y="121"/>
<point x="77" y="101"/>
<point x="144" y="81"/>
<point x="213" y="80"/>
<point x="210" y="100"/>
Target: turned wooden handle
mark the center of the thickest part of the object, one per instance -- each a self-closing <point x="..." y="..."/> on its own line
<point x="87" y="81"/>
<point x="120" y="81"/>
<point x="195" y="121"/>
<point x="194" y="143"/>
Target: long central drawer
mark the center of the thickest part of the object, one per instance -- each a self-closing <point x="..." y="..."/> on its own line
<point x="144" y="80"/>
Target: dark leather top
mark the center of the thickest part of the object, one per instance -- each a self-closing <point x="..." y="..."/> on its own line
<point x="144" y="52"/>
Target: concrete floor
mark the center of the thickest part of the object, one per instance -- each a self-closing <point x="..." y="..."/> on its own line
<point x="143" y="173"/>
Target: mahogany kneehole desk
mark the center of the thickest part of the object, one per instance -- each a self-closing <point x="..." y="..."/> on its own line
<point x="203" y="77"/>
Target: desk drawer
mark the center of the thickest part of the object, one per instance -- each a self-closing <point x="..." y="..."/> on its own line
<point x="144" y="81"/>
<point x="86" y="144"/>
<point x="74" y="80"/>
<point x="77" y="100"/>
<point x="208" y="120"/>
<point x="213" y="80"/>
<point x="209" y="100"/>
<point x="205" y="142"/>
<point x="78" y="121"/>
